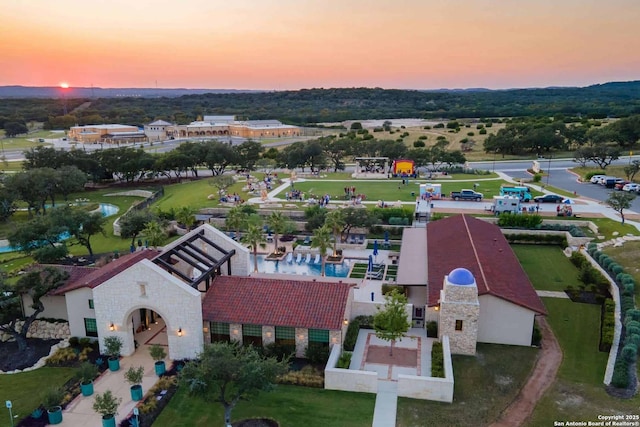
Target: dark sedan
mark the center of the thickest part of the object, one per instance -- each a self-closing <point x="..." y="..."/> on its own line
<point x="548" y="198"/>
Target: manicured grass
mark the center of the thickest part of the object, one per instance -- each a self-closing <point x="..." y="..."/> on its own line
<point x="26" y="390"/>
<point x="392" y="190"/>
<point x="547" y="267"/>
<point x="607" y="226"/>
<point x="485" y="384"/>
<point x="291" y="406"/>
<point x="578" y="393"/>
<point x="577" y="328"/>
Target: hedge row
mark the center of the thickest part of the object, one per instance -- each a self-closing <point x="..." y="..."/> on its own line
<point x="544" y="239"/>
<point x="508" y="219"/>
<point x="352" y="331"/>
<point x="630" y="342"/>
<point x="608" y="325"/>
<point x="437" y="360"/>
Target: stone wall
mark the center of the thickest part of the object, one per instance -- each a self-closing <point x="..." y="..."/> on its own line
<point x="42" y="329"/>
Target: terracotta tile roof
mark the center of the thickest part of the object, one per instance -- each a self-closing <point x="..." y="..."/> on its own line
<point x="272" y="302"/>
<point x="480" y="247"/>
<point x="97" y="276"/>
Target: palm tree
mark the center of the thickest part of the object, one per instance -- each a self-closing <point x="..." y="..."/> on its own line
<point x="322" y="240"/>
<point x="276" y="222"/>
<point x="186" y="216"/>
<point x="236" y="219"/>
<point x="154" y="232"/>
<point x="252" y="238"/>
<point x="335" y="221"/>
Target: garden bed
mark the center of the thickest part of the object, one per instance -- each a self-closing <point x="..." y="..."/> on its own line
<point x="11" y="359"/>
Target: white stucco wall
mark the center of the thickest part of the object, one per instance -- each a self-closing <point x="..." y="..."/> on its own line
<point x="502" y="322"/>
<point x="348" y="379"/>
<point x="54" y="306"/>
<point x="179" y="305"/>
<point x="78" y="309"/>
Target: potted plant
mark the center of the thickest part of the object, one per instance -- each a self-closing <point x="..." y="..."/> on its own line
<point x="106" y="404"/>
<point x="158" y="354"/>
<point x="86" y="373"/>
<point x="52" y="399"/>
<point x="134" y="377"/>
<point x="112" y="346"/>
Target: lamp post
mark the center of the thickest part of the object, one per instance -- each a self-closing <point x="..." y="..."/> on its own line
<point x="549" y="170"/>
<point x="495" y="152"/>
<point x="9" y="405"/>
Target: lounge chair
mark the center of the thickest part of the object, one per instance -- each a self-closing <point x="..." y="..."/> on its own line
<point x="307" y="259"/>
<point x="289" y="257"/>
<point x="318" y="259"/>
<point x="299" y="259"/>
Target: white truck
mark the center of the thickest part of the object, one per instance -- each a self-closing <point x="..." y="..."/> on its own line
<point x="505" y="204"/>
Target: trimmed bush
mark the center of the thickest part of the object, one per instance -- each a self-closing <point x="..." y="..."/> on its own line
<point x="317" y="353"/>
<point x="629" y="353"/>
<point x="437" y="360"/>
<point x="432" y="329"/>
<point x="620" y="376"/>
<point x="345" y="360"/>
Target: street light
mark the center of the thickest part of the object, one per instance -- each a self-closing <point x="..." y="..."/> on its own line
<point x="549" y="170"/>
<point x="495" y="152"/>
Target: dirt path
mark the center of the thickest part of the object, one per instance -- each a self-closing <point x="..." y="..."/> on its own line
<point x="541" y="378"/>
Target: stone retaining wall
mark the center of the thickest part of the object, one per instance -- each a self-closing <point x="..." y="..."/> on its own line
<point x="42" y="329"/>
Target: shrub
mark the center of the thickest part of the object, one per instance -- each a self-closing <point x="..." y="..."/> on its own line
<point x="419" y="144"/>
<point x="387" y="289"/>
<point x="317" y="353"/>
<point x="616" y="269"/>
<point x="432" y="329"/>
<point x="608" y="325"/>
<point x="626" y="303"/>
<point x="148" y="406"/>
<point x="74" y="341"/>
<point x="345" y="360"/>
<point x="307" y="376"/>
<point x="578" y="259"/>
<point x="482" y="132"/>
<point x="620" y="376"/>
<point x="629" y="353"/>
<point x="507" y="219"/>
<point x="53" y="397"/>
<point x="279" y="351"/>
<point x="113" y="345"/>
<point x="61" y="357"/>
<point x="437" y="360"/>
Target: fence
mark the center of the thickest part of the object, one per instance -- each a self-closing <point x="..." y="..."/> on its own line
<point x="143" y="204"/>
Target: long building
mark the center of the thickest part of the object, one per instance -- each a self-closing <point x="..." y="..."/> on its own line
<point x="110" y="134"/>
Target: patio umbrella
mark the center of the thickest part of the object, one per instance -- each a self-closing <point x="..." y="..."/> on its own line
<point x="370" y="266"/>
<point x="375" y="249"/>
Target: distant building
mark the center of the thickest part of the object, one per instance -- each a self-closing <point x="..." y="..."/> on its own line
<point x="109" y="134"/>
<point x="212" y="126"/>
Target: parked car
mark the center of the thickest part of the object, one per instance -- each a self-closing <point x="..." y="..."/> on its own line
<point x="467" y="195"/>
<point x="632" y="186"/>
<point x="548" y="198"/>
<point x="610" y="181"/>
<point x="620" y="185"/>
<point x="595" y="179"/>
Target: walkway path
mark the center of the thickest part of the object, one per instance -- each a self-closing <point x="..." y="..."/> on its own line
<point x="384" y="414"/>
<point x="540" y="379"/>
<point x="80" y="411"/>
<point x="552" y="294"/>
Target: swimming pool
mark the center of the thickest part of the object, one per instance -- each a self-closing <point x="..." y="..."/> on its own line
<point x="303" y="268"/>
<point x="106" y="209"/>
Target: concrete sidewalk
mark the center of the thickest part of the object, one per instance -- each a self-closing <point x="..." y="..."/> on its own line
<point x="80" y="413"/>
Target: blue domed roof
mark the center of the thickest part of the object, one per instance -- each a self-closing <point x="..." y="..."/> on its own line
<point x="461" y="277"/>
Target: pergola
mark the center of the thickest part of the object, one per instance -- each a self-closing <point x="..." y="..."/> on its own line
<point x="197" y="256"/>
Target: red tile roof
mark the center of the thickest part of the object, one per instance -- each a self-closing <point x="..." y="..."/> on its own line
<point x="272" y="302"/>
<point x="480" y="247"/>
<point x="97" y="276"/>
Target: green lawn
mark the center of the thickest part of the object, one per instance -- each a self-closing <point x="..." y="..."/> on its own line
<point x="484" y="385"/>
<point x="25" y="390"/>
<point x="392" y="190"/>
<point x="578" y="393"/>
<point x="291" y="406"/>
<point x="547" y="267"/>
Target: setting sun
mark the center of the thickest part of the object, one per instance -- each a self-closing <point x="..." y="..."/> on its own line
<point x="64" y="85"/>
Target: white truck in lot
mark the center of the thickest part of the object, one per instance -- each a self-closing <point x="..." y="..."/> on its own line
<point x="505" y="204"/>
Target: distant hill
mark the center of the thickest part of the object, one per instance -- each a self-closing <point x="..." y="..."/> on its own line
<point x="98" y="92"/>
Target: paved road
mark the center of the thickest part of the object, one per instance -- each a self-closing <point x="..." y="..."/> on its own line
<point x="560" y="177"/>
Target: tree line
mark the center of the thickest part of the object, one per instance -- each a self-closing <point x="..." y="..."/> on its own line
<point x="310" y="106"/>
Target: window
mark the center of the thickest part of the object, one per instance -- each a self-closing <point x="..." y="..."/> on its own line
<point x="318" y="335"/>
<point x="219" y="331"/>
<point x="252" y="334"/>
<point x="458" y="325"/>
<point x="285" y="335"/>
<point x="91" y="304"/>
<point x="90" y="327"/>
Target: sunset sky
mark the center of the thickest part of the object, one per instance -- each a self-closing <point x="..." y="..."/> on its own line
<point x="292" y="44"/>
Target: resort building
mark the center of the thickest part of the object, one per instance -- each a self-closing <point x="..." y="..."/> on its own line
<point x="109" y="134"/>
<point x="202" y="288"/>
<point x="212" y="126"/>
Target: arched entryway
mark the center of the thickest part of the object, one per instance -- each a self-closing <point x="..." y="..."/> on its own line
<point x="148" y="328"/>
